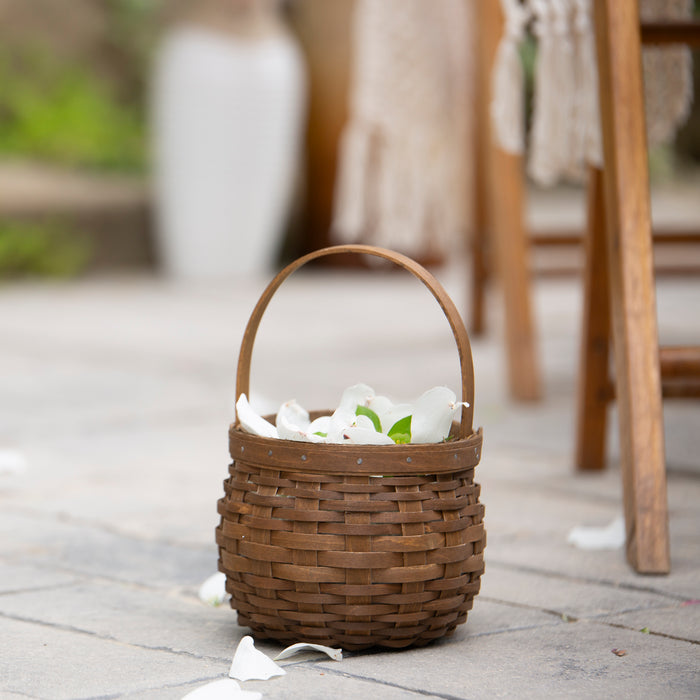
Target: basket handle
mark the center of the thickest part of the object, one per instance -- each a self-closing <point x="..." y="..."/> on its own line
<point x="437" y="290"/>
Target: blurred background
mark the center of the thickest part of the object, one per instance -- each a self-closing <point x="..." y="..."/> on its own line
<point x="98" y="97"/>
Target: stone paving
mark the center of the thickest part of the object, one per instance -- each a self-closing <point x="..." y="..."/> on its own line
<point x="118" y="393"/>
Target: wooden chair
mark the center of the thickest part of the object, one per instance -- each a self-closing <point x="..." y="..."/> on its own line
<point x="619" y="292"/>
<point x="499" y="237"/>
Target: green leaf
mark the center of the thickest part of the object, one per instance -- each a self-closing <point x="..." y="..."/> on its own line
<point x="400" y="432"/>
<point x="364" y="411"/>
<point x="320" y="434"/>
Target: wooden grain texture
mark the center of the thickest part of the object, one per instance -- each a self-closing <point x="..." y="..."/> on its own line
<point x="500" y="201"/>
<point x="594" y="373"/>
<point x="672" y="33"/>
<point x="633" y="305"/>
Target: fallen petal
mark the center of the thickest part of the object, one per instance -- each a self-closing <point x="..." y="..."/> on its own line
<point x="213" y="590"/>
<point x="251" y="422"/>
<point x="610" y="537"/>
<point x="224" y="689"/>
<point x="250" y="664"/>
<point x="335" y="654"/>
<point x="12" y="462"/>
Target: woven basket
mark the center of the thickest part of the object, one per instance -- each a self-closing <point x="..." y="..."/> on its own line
<point x="317" y="548"/>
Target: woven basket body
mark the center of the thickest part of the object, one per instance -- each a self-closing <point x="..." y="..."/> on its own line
<point x="353" y="545"/>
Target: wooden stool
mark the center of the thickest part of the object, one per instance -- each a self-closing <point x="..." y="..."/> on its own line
<point x="620" y="296"/>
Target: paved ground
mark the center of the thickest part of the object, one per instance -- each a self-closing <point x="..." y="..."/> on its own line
<point x="118" y="392"/>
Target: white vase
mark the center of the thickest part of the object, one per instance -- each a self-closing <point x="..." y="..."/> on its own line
<point x="227" y="123"/>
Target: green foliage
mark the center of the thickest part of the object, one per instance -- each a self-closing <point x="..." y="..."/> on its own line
<point x="400" y="432"/>
<point x="48" y="250"/>
<point x="65" y="114"/>
<point x="364" y="411"/>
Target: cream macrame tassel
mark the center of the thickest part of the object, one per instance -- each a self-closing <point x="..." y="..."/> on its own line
<point x="507" y="84"/>
<point x="543" y="161"/>
<point x="587" y="147"/>
<point x="404" y="151"/>
<point x="667" y="74"/>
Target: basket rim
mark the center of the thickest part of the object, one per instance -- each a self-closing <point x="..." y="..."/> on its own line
<point x="455" y="455"/>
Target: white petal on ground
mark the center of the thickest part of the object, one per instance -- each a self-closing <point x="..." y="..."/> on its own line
<point x="335" y="654"/>
<point x="365" y="436"/>
<point x="250" y="664"/>
<point x="223" y="689"/>
<point x="213" y="590"/>
<point x="251" y="422"/>
<point x="433" y="414"/>
<point x="12" y="462"/>
<point x="611" y="536"/>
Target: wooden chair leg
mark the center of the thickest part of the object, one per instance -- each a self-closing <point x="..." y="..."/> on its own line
<point x="479" y="255"/>
<point x="632" y="294"/>
<point x="486" y="42"/>
<point x="594" y="378"/>
<point x="501" y="206"/>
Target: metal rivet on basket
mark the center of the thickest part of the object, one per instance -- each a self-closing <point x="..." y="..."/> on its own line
<point x="408" y="459"/>
<point x="303" y="458"/>
<point x="242" y="448"/>
<point x="456" y="456"/>
<point x="359" y="460"/>
<point x="269" y="453"/>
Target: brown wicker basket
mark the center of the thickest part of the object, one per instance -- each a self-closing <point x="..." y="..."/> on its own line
<point x="316" y="547"/>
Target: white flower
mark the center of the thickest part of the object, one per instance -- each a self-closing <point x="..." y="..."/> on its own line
<point x="433" y="414"/>
<point x="293" y="423"/>
<point x="362" y="418"/>
<point x="251" y="422"/>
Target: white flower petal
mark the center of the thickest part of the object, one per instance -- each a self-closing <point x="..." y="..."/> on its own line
<point x="335" y="654"/>
<point x="288" y="431"/>
<point x="321" y="425"/>
<point x="364" y="422"/>
<point x="224" y="689"/>
<point x="610" y="537"/>
<point x="213" y="590"/>
<point x="365" y="436"/>
<point x="12" y="462"/>
<point x="394" y="414"/>
<point x="356" y="395"/>
<point x="293" y="414"/>
<point x="250" y="664"/>
<point x="353" y="396"/>
<point x="251" y="422"/>
<point x="433" y="414"/>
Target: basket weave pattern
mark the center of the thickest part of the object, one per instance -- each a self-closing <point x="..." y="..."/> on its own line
<point x="352" y="545"/>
